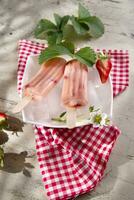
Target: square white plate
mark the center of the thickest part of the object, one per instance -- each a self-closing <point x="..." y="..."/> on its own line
<point x="41" y="112"/>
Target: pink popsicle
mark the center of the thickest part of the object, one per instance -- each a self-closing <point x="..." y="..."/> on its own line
<point x="42" y="83"/>
<point x="74" y="92"/>
<point x="46" y="78"/>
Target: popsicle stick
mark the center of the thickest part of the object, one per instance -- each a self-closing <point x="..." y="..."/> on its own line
<point x="26" y="100"/>
<point x="71" y="117"/>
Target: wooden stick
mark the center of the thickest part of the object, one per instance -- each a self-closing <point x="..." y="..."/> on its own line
<point x="71" y="117"/>
<point x="26" y="100"/>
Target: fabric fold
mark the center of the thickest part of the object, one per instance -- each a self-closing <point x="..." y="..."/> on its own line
<point x="76" y="164"/>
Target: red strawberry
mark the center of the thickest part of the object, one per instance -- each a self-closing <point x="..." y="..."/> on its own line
<point x="3" y="117"/>
<point x="103" y="66"/>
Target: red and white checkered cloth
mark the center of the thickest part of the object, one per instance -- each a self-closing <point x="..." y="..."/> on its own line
<point x="72" y="162"/>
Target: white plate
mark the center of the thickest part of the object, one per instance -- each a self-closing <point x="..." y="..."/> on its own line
<point x="41" y="112"/>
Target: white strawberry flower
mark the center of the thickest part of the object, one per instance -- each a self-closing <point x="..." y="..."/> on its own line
<point x="98" y="118"/>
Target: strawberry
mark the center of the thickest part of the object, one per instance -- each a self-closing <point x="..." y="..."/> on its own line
<point x="103" y="66"/>
<point x="3" y="117"/>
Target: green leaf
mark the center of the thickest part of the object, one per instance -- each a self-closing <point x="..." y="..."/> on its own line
<point x="52" y="38"/>
<point x="56" y="50"/>
<point x="86" y="55"/>
<point x="84" y="61"/>
<point x="62" y="114"/>
<point x="61" y="21"/>
<point x="58" y="19"/>
<point x="69" y="46"/>
<point x="83" y="12"/>
<point x="91" y="108"/>
<point x="96" y="27"/>
<point x="59" y="38"/>
<point x="47" y="54"/>
<point x="43" y="27"/>
<point x="64" y="21"/>
<point x="85" y="26"/>
<point x="77" y="26"/>
<point x="58" y="119"/>
<point x="69" y="33"/>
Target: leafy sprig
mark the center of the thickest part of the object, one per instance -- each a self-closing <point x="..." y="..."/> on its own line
<point x="58" y="35"/>
<point x="85" y="55"/>
<point x="81" y="25"/>
<point x="52" y="51"/>
<point x="85" y="23"/>
<point x="53" y="33"/>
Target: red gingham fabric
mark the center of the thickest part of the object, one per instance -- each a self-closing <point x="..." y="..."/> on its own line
<point x="72" y="162"/>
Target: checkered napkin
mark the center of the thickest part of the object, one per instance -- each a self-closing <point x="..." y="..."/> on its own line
<point x="72" y="162"/>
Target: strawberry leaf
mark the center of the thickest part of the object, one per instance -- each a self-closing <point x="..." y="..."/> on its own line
<point x="43" y="28"/>
<point x="69" y="34"/>
<point x="84" y="61"/>
<point x="59" y="38"/>
<point x="83" y="12"/>
<point x="69" y="46"/>
<point x="47" y="54"/>
<point x="64" y="21"/>
<point x="96" y="27"/>
<point x="52" y="38"/>
<point x="58" y="19"/>
<point x="63" y="48"/>
<point x="85" y="23"/>
<point x="80" y="30"/>
<point x="61" y="21"/>
<point x="86" y="55"/>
